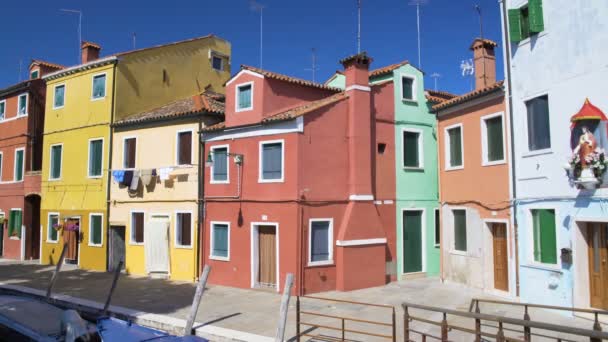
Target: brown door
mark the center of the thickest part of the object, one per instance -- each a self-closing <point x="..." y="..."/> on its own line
<point x="501" y="263"/>
<point x="71" y="234"/>
<point x="598" y="264"/>
<point x="267" y="274"/>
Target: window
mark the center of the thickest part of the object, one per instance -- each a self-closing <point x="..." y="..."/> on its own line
<point x="526" y="21"/>
<point x="454" y="158"/>
<point x="59" y="98"/>
<point x="22" y="105"/>
<point x="2" y="110"/>
<point x="381" y="148"/>
<point x="545" y="237"/>
<point x="184" y="148"/>
<point x="460" y="230"/>
<point x="137" y="227"/>
<point x="220" y="241"/>
<point x="244" y="97"/>
<point x="128" y="154"/>
<point x="56" y="157"/>
<point x="95" y="229"/>
<point x="408" y="88"/>
<point x="99" y="86"/>
<point x="14" y="223"/>
<point x="437" y="228"/>
<point x="217" y="63"/>
<point x="539" y="133"/>
<point x="51" y="229"/>
<point x="95" y="157"/>
<point x="412" y="149"/>
<point x="321" y="239"/>
<point x="183" y="230"/>
<point x="34" y="74"/>
<point x="19" y="164"/>
<point x="219" y="169"/>
<point x="271" y="161"/>
<point x="493" y="140"/>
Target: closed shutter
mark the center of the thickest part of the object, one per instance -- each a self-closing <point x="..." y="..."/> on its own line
<point x="536" y="234"/>
<point x="535" y="16"/>
<point x="495" y="139"/>
<point x="220" y="164"/>
<point x="185" y="148"/>
<point x="244" y="96"/>
<point x="319" y="240"/>
<point x="129" y="153"/>
<point x="410" y="149"/>
<point x="515" y="34"/>
<point x="272" y="163"/>
<point x="220" y="240"/>
<point x="96" y="148"/>
<point x="548" y="242"/>
<point x="96" y="229"/>
<point x="19" y="166"/>
<point x="454" y="135"/>
<point x="460" y="230"/>
<point x="15" y="221"/>
<point x="407" y="88"/>
<point x="185" y="230"/>
<point x="56" y="162"/>
<point x="137" y="223"/>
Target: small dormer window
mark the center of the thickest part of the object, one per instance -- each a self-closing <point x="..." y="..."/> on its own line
<point x="34" y="74"/>
<point x="244" y="97"/>
<point x="408" y="88"/>
<point x="217" y="63"/>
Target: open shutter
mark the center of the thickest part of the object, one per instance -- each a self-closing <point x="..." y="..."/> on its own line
<point x="185" y="148"/>
<point x="535" y="8"/>
<point x="548" y="241"/>
<point x="515" y="33"/>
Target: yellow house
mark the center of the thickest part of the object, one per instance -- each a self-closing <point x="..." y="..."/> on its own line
<point x="82" y="103"/>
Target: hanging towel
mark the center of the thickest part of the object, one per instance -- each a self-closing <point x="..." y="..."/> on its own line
<point x="146" y="176"/>
<point x="119" y="175"/>
<point x="134" y="181"/>
<point x="126" y="181"/>
<point x="165" y="173"/>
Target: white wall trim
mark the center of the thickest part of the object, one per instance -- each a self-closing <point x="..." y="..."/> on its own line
<point x="292" y="126"/>
<point x="358" y="87"/>
<point x="242" y="72"/>
<point x="49" y="227"/>
<point x="361" y="197"/>
<point x="211" y="229"/>
<point x="330" y="241"/>
<point x="255" y="252"/>
<point x="362" y="242"/>
<point x="414" y="88"/>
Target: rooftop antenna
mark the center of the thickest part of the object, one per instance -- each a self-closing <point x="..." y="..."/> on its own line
<point x="314" y="63"/>
<point x="79" y="29"/>
<point x="435" y="76"/>
<point x="468" y="69"/>
<point x="358" y="26"/>
<point x="258" y="7"/>
<point x="418" y="3"/>
<point x="134" y="40"/>
<point x="20" y="69"/>
<point x="478" y="9"/>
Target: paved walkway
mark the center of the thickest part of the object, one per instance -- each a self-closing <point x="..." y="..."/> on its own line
<point x="256" y="312"/>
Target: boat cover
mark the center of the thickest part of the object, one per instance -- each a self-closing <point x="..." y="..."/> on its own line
<point x="113" y="329"/>
<point x="31" y="317"/>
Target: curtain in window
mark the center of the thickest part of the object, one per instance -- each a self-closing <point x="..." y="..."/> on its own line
<point x="460" y="230"/>
<point x="319" y="240"/>
<point x="539" y="134"/>
<point x="14" y="223"/>
<point x="56" y="161"/>
<point x="22" y="105"/>
<point x="19" y="166"/>
<point x="220" y="164"/>
<point x="410" y="149"/>
<point x="95" y="157"/>
<point x="272" y="155"/>
<point x="454" y="135"/>
<point x="185" y="148"/>
<point x="407" y="88"/>
<point x="129" y="153"/>
<point x="95" y="229"/>
<point x="245" y="96"/>
<point x="184" y="236"/>
<point x="59" y="96"/>
<point x="220" y="240"/>
<point x="137" y="225"/>
<point x="52" y="232"/>
<point x="545" y="239"/>
<point x="99" y="86"/>
<point x="495" y="139"/>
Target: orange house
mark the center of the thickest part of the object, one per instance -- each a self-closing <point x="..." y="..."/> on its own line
<point x="477" y="246"/>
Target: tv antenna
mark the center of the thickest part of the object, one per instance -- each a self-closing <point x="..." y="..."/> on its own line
<point x="478" y="9"/>
<point x="358" y="26"/>
<point x="418" y="3"/>
<point x="314" y="64"/>
<point x="79" y="12"/>
<point x="134" y="40"/>
<point x="258" y="7"/>
<point x="435" y="76"/>
<point x="467" y="68"/>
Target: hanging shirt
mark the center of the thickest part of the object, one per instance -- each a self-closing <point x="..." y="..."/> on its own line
<point x="134" y="181"/>
<point x="118" y="175"/>
<point x="165" y="172"/>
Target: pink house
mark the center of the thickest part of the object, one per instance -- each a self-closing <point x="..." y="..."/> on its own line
<point x="292" y="183"/>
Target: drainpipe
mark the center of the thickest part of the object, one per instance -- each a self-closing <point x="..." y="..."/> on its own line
<point x="507" y="58"/>
<point x="109" y="178"/>
<point x="201" y="201"/>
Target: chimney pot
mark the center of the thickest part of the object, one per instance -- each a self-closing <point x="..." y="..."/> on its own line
<point x="89" y="51"/>
<point x="485" y="62"/>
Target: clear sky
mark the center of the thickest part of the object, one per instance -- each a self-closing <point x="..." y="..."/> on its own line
<point x="38" y="29"/>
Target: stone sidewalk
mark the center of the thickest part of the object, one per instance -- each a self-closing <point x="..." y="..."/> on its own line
<point x="256" y="312"/>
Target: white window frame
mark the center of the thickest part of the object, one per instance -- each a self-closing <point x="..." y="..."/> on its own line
<point x="212" y="149"/>
<point x="420" y="149"/>
<point x="211" y="256"/>
<point x="435" y="212"/>
<point x="3" y="116"/>
<point x="236" y="97"/>
<point x="414" y="88"/>
<point x="330" y="241"/>
<point x="261" y="162"/>
<point x="484" y="140"/>
<point x="124" y="140"/>
<point x="452" y="246"/>
<point x="530" y="256"/>
<point x="177" y="146"/>
<point x="55" y="94"/>
<point x="89" y="158"/>
<point x="105" y="86"/>
<point x="215" y="55"/>
<point x="27" y="97"/>
<point x="15" y="165"/>
<point x="33" y="71"/>
<point x="51" y="162"/>
<point x="528" y="152"/>
<point x="447" y="144"/>
<point x="49" y="227"/>
<point x="175" y="240"/>
<point x="91" y="244"/>
<point x="132" y="231"/>
<point x="22" y="230"/>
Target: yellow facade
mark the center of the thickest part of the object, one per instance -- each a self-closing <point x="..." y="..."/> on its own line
<point x="75" y="194"/>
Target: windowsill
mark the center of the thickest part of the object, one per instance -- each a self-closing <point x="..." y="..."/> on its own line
<point x="219" y="182"/>
<point x="271" y="181"/>
<point x="14" y="238"/>
<point x="54" y="179"/>
<point x="94" y="245"/>
<point x="243" y="109"/>
<point x="409" y="101"/>
<point x="219" y="258"/>
<point x="321" y="263"/>
<point x="413" y="168"/>
<point x="454" y="168"/>
<point x="457" y="252"/>
<point x="182" y="246"/>
<point x="98" y="98"/>
<point x="494" y="163"/>
<point x="537" y="153"/>
<point x="437" y="245"/>
<point x="50" y="241"/>
<point x="21" y="115"/>
<point x="58" y="107"/>
<point x="136" y="243"/>
<point x="544" y="267"/>
<point x="95" y="177"/>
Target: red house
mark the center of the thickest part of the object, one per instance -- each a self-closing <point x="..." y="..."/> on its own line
<point x="300" y="179"/>
<point x="21" y="127"/>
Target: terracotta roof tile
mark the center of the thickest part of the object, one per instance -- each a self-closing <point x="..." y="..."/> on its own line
<point x="487" y="42"/>
<point x="361" y="56"/>
<point x="85" y="44"/>
<point x="469" y="96"/>
<point x="305" y="108"/>
<point x="441" y="94"/>
<point x="289" y="79"/>
<point x="47" y="64"/>
<point x="217" y="127"/>
<point x="387" y="69"/>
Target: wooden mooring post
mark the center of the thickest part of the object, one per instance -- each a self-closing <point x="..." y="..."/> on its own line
<point x="57" y="269"/>
<point x="284" y="308"/>
<point x="200" y="289"/>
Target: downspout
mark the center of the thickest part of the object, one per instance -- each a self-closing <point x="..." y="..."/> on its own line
<point x="507" y="58"/>
<point x="201" y="200"/>
<point x="109" y="178"/>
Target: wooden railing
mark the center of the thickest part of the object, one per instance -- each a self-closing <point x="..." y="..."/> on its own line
<point x="343" y="329"/>
<point x="500" y="325"/>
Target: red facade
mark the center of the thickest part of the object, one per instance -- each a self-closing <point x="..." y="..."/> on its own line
<point x="333" y="175"/>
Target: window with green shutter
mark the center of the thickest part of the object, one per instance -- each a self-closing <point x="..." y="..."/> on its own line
<point x="411" y="149"/>
<point x="19" y="156"/>
<point x="51" y="228"/>
<point x="14" y="223"/>
<point x="545" y="236"/>
<point x="56" y="151"/>
<point x="494" y="139"/>
<point x="95" y="157"/>
<point x="95" y="229"/>
<point x="460" y="230"/>
<point x="526" y="21"/>
<point x="454" y="140"/>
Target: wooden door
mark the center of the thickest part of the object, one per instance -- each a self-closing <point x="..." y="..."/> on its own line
<point x="598" y="264"/>
<point x="156" y="245"/>
<point x="71" y="236"/>
<point x="501" y="262"/>
<point x="412" y="241"/>
<point x="117" y="247"/>
<point x="267" y="256"/>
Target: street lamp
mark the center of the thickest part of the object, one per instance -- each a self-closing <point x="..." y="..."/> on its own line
<point x="238" y="158"/>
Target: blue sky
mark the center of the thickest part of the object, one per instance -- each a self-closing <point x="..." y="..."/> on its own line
<point x="291" y="28"/>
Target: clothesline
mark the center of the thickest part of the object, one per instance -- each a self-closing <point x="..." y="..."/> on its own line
<point x="182" y="166"/>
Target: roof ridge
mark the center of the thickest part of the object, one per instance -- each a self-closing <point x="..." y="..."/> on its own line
<point x="287" y="78"/>
<point x="468" y="96"/>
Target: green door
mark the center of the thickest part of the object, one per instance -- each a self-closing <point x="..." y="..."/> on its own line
<point x="412" y="241"/>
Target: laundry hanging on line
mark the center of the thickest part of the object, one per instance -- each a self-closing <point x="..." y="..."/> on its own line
<point x="134" y="181"/>
<point x="118" y="175"/>
<point x="165" y="172"/>
<point x="146" y="176"/>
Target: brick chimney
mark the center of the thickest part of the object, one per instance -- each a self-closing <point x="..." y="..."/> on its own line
<point x="89" y="51"/>
<point x="485" y="62"/>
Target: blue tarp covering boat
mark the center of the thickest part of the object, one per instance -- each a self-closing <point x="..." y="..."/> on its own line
<point x="112" y="329"/>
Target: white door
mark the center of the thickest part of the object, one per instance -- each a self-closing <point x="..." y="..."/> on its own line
<point x="156" y="244"/>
